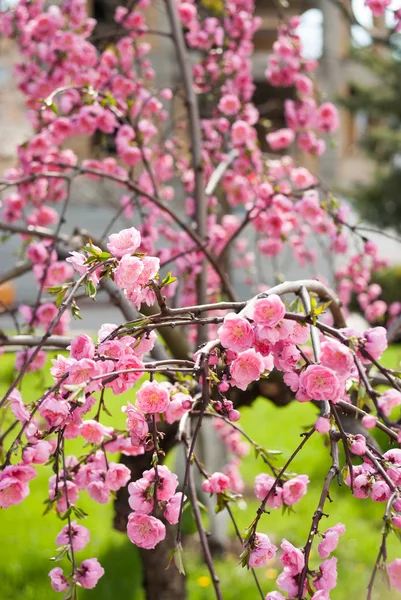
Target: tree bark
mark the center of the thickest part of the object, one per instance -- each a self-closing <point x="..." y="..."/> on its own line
<point x="159" y="582"/>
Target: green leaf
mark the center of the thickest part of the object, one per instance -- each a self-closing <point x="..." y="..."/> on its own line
<point x="60" y="297"/>
<point x="178" y="559"/>
<point x="75" y="310"/>
<point x="168" y="279"/>
<point x="91" y="289"/>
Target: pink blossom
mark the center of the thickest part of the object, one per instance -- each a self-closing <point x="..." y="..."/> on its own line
<point x="389" y="400"/>
<point x="320" y="383"/>
<point x="268" y="311"/>
<point x="127" y="241"/>
<point x="37" y="454"/>
<point x="167" y="481"/>
<point x="117" y="476"/>
<point x="330" y="540"/>
<point x="328" y="578"/>
<point x="246" y="368"/>
<point x="375" y="341"/>
<point x="295" y="489"/>
<point x="24" y="357"/>
<point x="82" y="346"/>
<point x="369" y="421"/>
<point x="99" y="492"/>
<point x="172" y="510"/>
<point x="179" y="405"/>
<point x="241" y="132"/>
<point x="141" y="497"/>
<point x="17" y="406"/>
<point x="280" y="139"/>
<point x="54" y="411"/>
<point x="79" y="535"/>
<point x="89" y="573"/>
<point x="145" y="531"/>
<point x="152" y="397"/>
<point x="275" y="596"/>
<point x="236" y="333"/>
<point x="58" y="580"/>
<point x="292" y="558"/>
<point x="94" y="432"/>
<point x="229" y="104"/>
<point x="337" y="357"/>
<point x="127" y="273"/>
<point x="217" y="483"/>
<point x="287" y="583"/>
<point x="322" y="425"/>
<point x="377" y="7"/>
<point x="394" y="573"/>
<point x="136" y="425"/>
<point x="262" y="552"/>
<point x="380" y="491"/>
<point x="358" y="444"/>
<point x="263" y="485"/>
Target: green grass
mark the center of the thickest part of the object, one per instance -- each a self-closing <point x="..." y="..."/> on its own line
<point x="28" y="539"/>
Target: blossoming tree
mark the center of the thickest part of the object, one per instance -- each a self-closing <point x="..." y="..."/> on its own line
<point x="186" y="347"/>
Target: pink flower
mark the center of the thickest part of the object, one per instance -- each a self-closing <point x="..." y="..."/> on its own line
<point x="136" y="425"/>
<point x="320" y="383"/>
<point x="241" y="133"/>
<point x="141" y="496"/>
<point x="337" y="357"/>
<point x="229" y="104"/>
<point x="79" y="535"/>
<point x="152" y="397"/>
<point x="89" y="573"/>
<point x="389" y="400"/>
<point x="94" y="432"/>
<point x="281" y="138"/>
<point x="167" y="481"/>
<point x="17" y="406"/>
<point x="289" y="584"/>
<point x="380" y="491"/>
<point x="358" y="445"/>
<point x="125" y="242"/>
<point x="145" y="531"/>
<point x="263" y="485"/>
<point x="82" y="347"/>
<point x="127" y="273"/>
<point x="179" y="405"/>
<point x="369" y="421"/>
<point x="246" y="368"/>
<point x="295" y="489"/>
<point x="58" y="581"/>
<point x="54" y="411"/>
<point x="394" y="573"/>
<point x="236" y="333"/>
<point x="12" y="491"/>
<point x="275" y="596"/>
<point x="217" y="483"/>
<point x="268" y="311"/>
<point x="376" y="341"/>
<point x="377" y="7"/>
<point x="292" y="558"/>
<point x="322" y="425"/>
<point x="37" y="454"/>
<point x="328" y="579"/>
<point x="172" y="511"/>
<point x="330" y="540"/>
<point x="99" y="492"/>
<point x="117" y="476"/>
<point x="327" y="117"/>
<point x="263" y="551"/>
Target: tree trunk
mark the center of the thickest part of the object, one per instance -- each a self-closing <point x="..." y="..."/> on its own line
<point x="159" y="582"/>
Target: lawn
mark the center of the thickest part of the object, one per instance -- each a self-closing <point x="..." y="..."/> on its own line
<point x="28" y="539"/>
